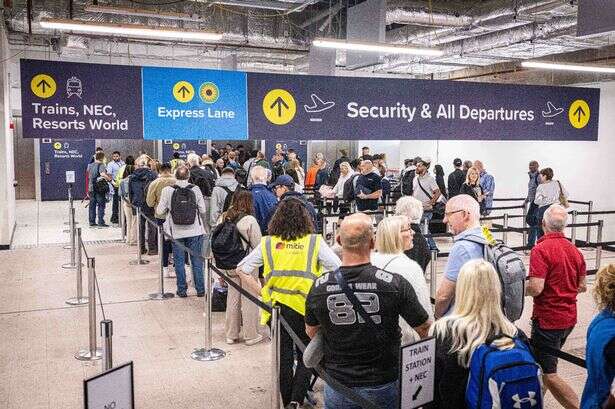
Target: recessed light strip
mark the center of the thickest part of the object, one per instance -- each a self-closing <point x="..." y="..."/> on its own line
<point x="375" y="47"/>
<point x="128" y="30"/>
<point x="568" y="67"/>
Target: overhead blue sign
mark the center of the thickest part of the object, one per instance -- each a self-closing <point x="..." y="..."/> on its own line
<point x="84" y="101"/>
<point x="181" y="103"/>
<point x="390" y="109"/>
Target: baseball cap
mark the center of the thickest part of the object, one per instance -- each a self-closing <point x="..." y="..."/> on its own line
<point x="228" y="169"/>
<point x="457" y="162"/>
<point x="282" y="180"/>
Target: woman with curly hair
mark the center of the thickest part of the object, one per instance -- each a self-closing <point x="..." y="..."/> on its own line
<point x="292" y="257"/>
<point x="600" y="347"/>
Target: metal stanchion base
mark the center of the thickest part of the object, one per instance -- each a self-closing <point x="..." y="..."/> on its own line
<point x="69" y="265"/>
<point x="161" y="296"/>
<point x="77" y="301"/>
<point x="86" y="355"/>
<point x="137" y="262"/>
<point x="202" y="354"/>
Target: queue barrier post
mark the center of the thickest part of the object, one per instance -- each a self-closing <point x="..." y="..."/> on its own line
<point x="505" y="228"/>
<point x="139" y="260"/>
<point x="590" y="207"/>
<point x="599" y="246"/>
<point x="275" y="358"/>
<point x="161" y="295"/>
<point x="433" y="273"/>
<point x="92" y="353"/>
<point x="122" y="220"/>
<point x="207" y="353"/>
<point x="106" y="332"/>
<point x="573" y="230"/>
<point x="79" y="299"/>
<point x="70" y="206"/>
<point x="73" y="247"/>
<point x="523" y="224"/>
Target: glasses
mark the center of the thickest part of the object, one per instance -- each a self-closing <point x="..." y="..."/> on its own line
<point x="448" y="214"/>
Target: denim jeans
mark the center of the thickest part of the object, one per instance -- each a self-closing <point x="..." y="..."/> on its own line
<point x="383" y="396"/>
<point x="532" y="215"/>
<point x="195" y="244"/>
<point x="97" y="204"/>
<point x="428" y="215"/>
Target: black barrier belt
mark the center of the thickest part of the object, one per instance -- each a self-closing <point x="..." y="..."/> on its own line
<point x="514" y="199"/>
<point x="340" y="388"/>
<point x="579" y="202"/>
<point x="505" y="207"/>
<point x="559" y="354"/>
<point x="597" y="212"/>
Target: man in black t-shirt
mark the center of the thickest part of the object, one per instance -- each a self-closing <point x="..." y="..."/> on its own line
<point x="353" y="354"/>
<point x="368" y="189"/>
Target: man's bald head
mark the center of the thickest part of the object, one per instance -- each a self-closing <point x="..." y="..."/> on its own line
<point x="356" y="233"/>
<point x="555" y="218"/>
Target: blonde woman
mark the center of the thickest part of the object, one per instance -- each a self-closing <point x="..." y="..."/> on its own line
<point x="600" y="354"/>
<point x="346" y="173"/>
<point x="477" y="315"/>
<point x="473" y="188"/>
<point x="393" y="237"/>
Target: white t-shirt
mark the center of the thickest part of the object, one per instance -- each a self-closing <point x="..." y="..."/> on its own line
<point x="400" y="264"/>
<point x="429" y="184"/>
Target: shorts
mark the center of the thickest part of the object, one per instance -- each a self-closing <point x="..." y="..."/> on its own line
<point x="554" y="338"/>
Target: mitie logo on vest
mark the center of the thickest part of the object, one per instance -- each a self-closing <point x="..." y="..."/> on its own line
<point x="289" y="246"/>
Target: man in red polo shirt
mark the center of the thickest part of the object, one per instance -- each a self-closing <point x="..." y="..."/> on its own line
<point x="557" y="275"/>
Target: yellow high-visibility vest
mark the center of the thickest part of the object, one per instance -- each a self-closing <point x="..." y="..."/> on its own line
<point x="289" y="270"/>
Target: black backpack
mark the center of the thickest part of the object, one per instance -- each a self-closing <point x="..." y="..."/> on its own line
<point x="227" y="245"/>
<point x="100" y="185"/>
<point x="228" y="200"/>
<point x="202" y="183"/>
<point x="183" y="205"/>
<point x="241" y="176"/>
<point x="406" y="183"/>
<point x="348" y="191"/>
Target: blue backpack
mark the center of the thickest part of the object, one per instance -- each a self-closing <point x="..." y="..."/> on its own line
<point x="504" y="379"/>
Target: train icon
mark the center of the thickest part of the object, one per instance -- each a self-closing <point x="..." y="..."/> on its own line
<point x="74" y="87"/>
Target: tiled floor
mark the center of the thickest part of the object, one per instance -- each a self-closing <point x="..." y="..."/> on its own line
<point x="39" y="333"/>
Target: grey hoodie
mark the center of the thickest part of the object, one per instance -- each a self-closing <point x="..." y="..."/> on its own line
<point x="218" y="195"/>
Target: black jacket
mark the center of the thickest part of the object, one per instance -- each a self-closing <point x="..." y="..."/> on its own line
<point x="137" y="183"/>
<point x="455" y="180"/>
<point x="420" y="249"/>
<point x="204" y="179"/>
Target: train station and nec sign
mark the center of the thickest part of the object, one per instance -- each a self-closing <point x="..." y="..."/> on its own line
<point x="97" y="101"/>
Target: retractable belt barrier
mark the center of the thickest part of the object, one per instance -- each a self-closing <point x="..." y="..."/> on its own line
<point x="348" y="392"/>
<point x="340" y="388"/>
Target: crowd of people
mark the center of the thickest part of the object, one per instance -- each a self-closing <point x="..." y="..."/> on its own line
<point x="356" y="301"/>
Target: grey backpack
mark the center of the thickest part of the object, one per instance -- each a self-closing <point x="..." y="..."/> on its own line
<point x="511" y="271"/>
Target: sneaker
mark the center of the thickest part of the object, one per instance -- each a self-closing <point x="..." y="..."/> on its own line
<point x="255" y="340"/>
<point x="231" y="341"/>
<point x="152" y="252"/>
<point x="92" y="224"/>
<point x="168" y="273"/>
<point x="181" y="295"/>
<point x="200" y="295"/>
<point x="103" y="225"/>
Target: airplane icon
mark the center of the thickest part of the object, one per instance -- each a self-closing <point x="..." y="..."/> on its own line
<point x="552" y="112"/>
<point x="318" y="105"/>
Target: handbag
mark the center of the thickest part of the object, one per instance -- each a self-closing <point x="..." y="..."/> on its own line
<point x="562" y="198"/>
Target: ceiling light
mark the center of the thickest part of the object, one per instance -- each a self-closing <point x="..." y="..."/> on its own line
<point x="568" y="67"/>
<point x="376" y="47"/>
<point x="130" y="11"/>
<point x="128" y="30"/>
